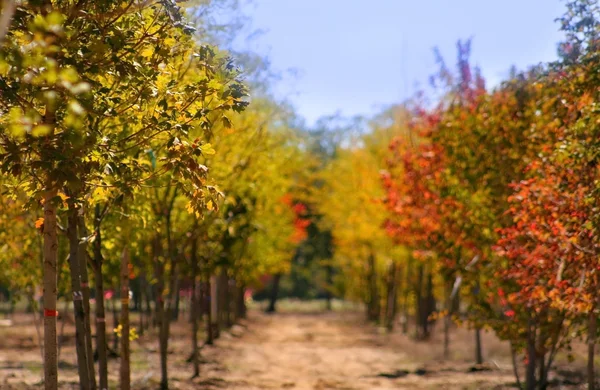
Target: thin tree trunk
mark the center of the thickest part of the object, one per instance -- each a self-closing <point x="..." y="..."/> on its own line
<point x="429" y="304"/>
<point x="78" y="309"/>
<point x="50" y="292"/>
<point x="150" y="317"/>
<point x="194" y="308"/>
<point x="513" y="355"/>
<point x="226" y="308"/>
<point x="274" y="293"/>
<point x="478" y="352"/>
<point x="85" y="289"/>
<point x="115" y="325"/>
<point x="447" y="320"/>
<point x="406" y="292"/>
<point x="374" y="310"/>
<point x="478" y="347"/>
<point x="240" y="302"/>
<point x="392" y="296"/>
<point x="530" y="380"/>
<point x="141" y="325"/>
<point x="420" y="304"/>
<point x="169" y="302"/>
<point x="592" y="330"/>
<point x="543" y="372"/>
<point x="124" y="372"/>
<point x="175" y="315"/>
<point x="210" y="294"/>
<point x="101" y="341"/>
<point x="162" y="320"/>
<point x="329" y="286"/>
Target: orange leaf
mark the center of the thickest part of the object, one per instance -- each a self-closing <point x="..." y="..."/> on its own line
<point x="39" y="223"/>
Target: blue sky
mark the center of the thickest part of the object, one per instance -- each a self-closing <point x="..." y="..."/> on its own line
<point x="357" y="56"/>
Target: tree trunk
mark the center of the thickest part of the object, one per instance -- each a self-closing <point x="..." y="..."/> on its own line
<point x="78" y="309"/>
<point x="329" y="286"/>
<point x="85" y="289"/>
<point x="592" y="329"/>
<point x="513" y="355"/>
<point x="374" y="310"/>
<point x="429" y="304"/>
<point x="50" y="292"/>
<point x="392" y="296"/>
<point x="542" y="374"/>
<point x="210" y="309"/>
<point x="124" y="372"/>
<point x="115" y="325"/>
<point x="274" y="293"/>
<point x="175" y="314"/>
<point x="226" y="300"/>
<point x="143" y="296"/>
<point x="162" y="320"/>
<point x="478" y="351"/>
<point x="447" y="320"/>
<point x="150" y="316"/>
<point x="195" y="313"/>
<point x="406" y="291"/>
<point x="530" y="380"/>
<point x="162" y="340"/>
<point x="478" y="348"/>
<point x="240" y="302"/>
<point x="101" y="342"/>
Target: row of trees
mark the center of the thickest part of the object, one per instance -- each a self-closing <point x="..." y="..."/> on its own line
<point x="130" y="159"/>
<point x="485" y="200"/>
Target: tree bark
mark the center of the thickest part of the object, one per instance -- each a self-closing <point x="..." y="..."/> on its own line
<point x="78" y="309"/>
<point x="392" y="296"/>
<point x="592" y="330"/>
<point x="115" y="325"/>
<point x="50" y="292"/>
<point x="143" y="297"/>
<point x="209" y="296"/>
<point x="513" y="355"/>
<point x="478" y="351"/>
<point x="447" y="321"/>
<point x="274" y="293"/>
<point x="85" y="289"/>
<point x="124" y="372"/>
<point x="406" y="291"/>
<point x="374" y="309"/>
<point x="101" y="342"/>
<point x="328" y="287"/>
<point x="478" y="347"/>
<point x="226" y="308"/>
<point x="530" y="380"/>
<point x="195" y="312"/>
<point x="161" y="317"/>
<point x="240" y="302"/>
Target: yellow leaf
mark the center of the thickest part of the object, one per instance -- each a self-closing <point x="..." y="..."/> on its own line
<point x="63" y="196"/>
<point x="210" y="205"/>
<point x="41" y="130"/>
<point x="147" y="52"/>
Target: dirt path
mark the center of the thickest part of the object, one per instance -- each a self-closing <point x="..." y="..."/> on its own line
<point x="300" y="351"/>
<point x="331" y="351"/>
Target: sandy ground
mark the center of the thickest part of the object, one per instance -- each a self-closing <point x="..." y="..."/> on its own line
<point x="333" y="351"/>
<point x="283" y="351"/>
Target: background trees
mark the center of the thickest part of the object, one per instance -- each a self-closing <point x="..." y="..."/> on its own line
<point x="136" y="155"/>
